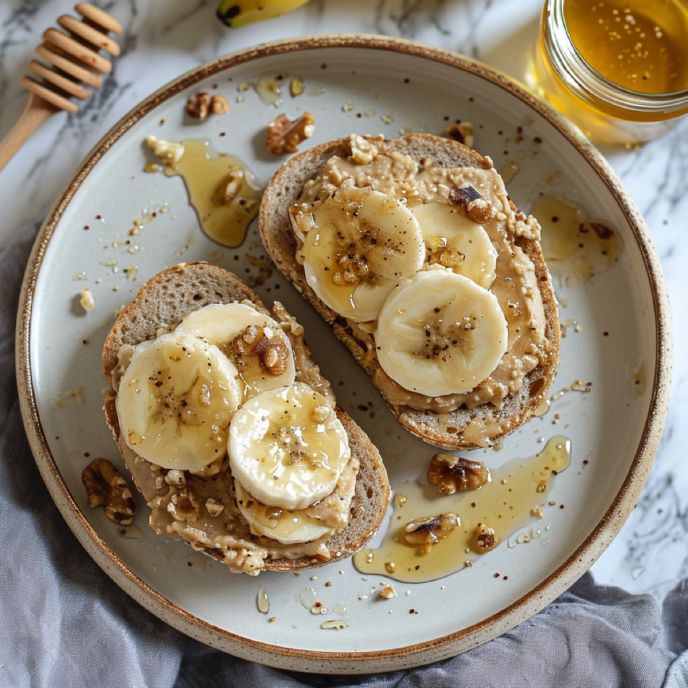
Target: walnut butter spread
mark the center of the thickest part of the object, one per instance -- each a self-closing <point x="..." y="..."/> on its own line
<point x="424" y="264"/>
<point x="233" y="438"/>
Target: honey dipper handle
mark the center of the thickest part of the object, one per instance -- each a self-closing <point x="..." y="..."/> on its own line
<point x="35" y="113"/>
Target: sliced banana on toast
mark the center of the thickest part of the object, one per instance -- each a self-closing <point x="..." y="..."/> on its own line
<point x="230" y="452"/>
<point x="175" y="401"/>
<point x="287" y="447"/>
<point x="361" y="245"/>
<point x="440" y="333"/>
<point x="253" y="341"/>
<point x="454" y="241"/>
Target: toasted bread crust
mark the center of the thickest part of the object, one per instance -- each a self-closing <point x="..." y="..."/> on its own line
<point x="163" y="301"/>
<point x="278" y="238"/>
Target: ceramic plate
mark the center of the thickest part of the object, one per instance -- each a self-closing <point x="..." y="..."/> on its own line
<point x="368" y="85"/>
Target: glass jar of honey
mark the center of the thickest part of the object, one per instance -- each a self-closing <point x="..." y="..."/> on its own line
<point x="617" y="68"/>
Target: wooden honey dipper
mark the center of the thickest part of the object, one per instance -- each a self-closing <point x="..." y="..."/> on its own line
<point x="74" y="59"/>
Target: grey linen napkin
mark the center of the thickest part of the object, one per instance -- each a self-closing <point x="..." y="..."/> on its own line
<point x="64" y="623"/>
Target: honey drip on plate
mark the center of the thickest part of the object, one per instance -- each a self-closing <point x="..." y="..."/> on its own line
<point x="509" y="171"/>
<point x="512" y="499"/>
<point x="222" y="191"/>
<point x="575" y="246"/>
<point x="542" y="408"/>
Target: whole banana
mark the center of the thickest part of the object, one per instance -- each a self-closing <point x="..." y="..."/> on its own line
<point x="238" y="13"/>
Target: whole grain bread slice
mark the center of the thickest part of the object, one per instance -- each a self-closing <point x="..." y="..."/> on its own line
<point x="444" y="430"/>
<point x="162" y="302"/>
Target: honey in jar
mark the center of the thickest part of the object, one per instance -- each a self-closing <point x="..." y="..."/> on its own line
<point x="618" y="68"/>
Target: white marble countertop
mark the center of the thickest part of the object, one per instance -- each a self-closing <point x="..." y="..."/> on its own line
<point x="166" y="37"/>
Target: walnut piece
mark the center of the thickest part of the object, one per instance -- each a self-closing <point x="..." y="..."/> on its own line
<point x="450" y="474"/>
<point x="247" y="340"/>
<point x="472" y="204"/>
<point x="362" y="150"/>
<point x="526" y="226"/>
<point x="183" y="506"/>
<point x="484" y="538"/>
<point x="428" y="531"/>
<point x="218" y="105"/>
<point x="235" y="181"/>
<point x="272" y="352"/>
<point x="86" y="300"/>
<point x="175" y="477"/>
<point x="201" y="104"/>
<point x="284" y="135"/>
<point x="107" y="488"/>
<point x="170" y="152"/>
<point x="197" y="105"/>
<point x="461" y="132"/>
<point x="273" y="355"/>
<point x="213" y="507"/>
<point x="387" y="592"/>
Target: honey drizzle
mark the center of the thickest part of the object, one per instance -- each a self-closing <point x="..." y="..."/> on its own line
<point x="206" y="174"/>
<point x="509" y="171"/>
<point x="575" y="246"/>
<point x="516" y="493"/>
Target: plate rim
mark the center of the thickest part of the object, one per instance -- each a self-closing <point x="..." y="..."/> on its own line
<point x="373" y="661"/>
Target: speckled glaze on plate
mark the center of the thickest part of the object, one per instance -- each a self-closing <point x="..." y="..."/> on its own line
<point x="368" y="85"/>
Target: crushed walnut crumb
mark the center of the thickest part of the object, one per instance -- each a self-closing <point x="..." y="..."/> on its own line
<point x="363" y="151"/>
<point x="175" y="477"/>
<point x="86" y="300"/>
<point x="213" y="507"/>
<point x="526" y="226"/>
<point x="170" y="152"/>
<point x="235" y="181"/>
<point x="387" y="592"/>
<point x="183" y="506"/>
<point x="484" y="538"/>
<point x="107" y="488"/>
<point x="472" y="204"/>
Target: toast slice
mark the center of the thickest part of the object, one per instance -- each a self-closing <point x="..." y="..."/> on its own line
<point x="451" y="430"/>
<point x="161" y="303"/>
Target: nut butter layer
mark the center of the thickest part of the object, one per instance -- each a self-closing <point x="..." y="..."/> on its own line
<point x="421" y="170"/>
<point x="201" y="507"/>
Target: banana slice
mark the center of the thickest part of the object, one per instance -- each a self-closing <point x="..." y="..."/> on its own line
<point x="175" y="401"/>
<point x="363" y="244"/>
<point x="221" y="323"/>
<point x="440" y="333"/>
<point x="278" y="524"/>
<point x="287" y="447"/>
<point x="454" y="241"/>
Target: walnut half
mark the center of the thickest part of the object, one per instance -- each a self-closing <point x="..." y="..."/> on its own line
<point x="284" y="135"/>
<point x="272" y="352"/>
<point x="472" y="204"/>
<point x="107" y="488"/>
<point x="428" y="531"/>
<point x="201" y="104"/>
<point x="450" y="474"/>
